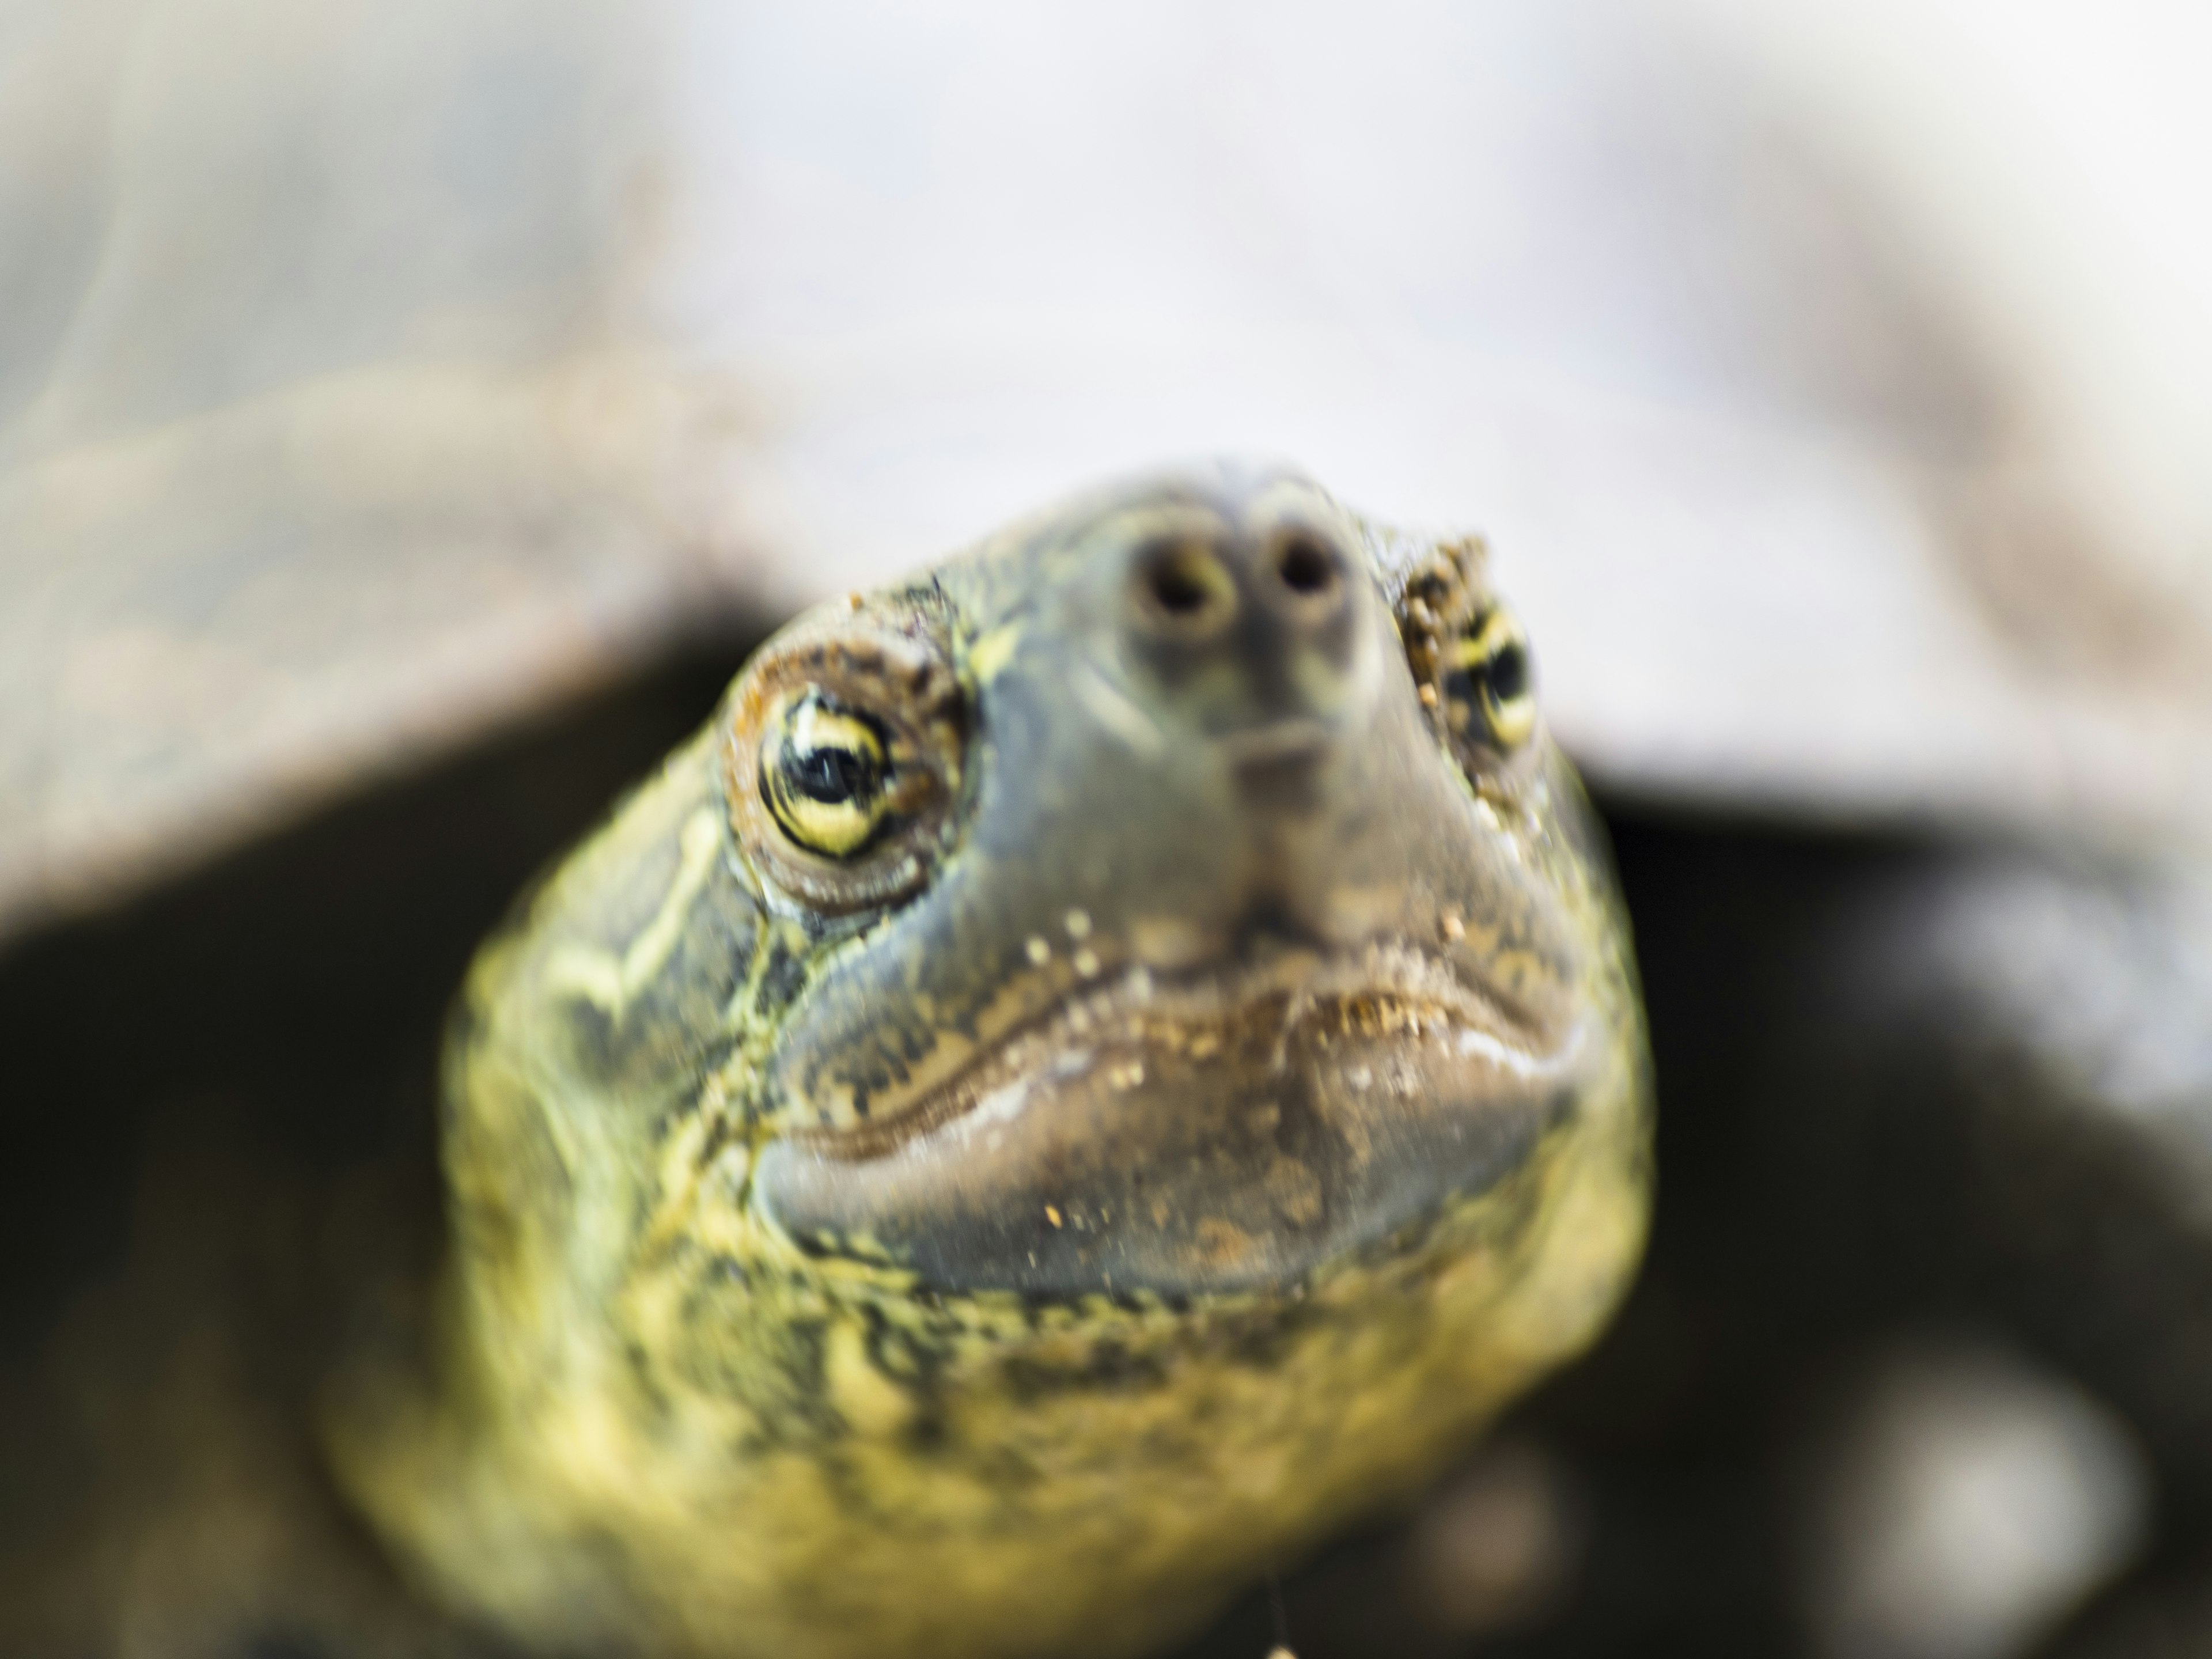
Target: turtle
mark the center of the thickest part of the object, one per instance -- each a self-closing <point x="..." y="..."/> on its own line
<point x="1097" y="1062"/>
<point x="287" y="512"/>
<point x="699" y="1283"/>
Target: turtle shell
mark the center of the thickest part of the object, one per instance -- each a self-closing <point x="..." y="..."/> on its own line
<point x="375" y="374"/>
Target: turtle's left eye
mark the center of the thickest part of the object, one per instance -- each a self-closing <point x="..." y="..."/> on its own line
<point x="1488" y="689"/>
<point x="823" y="769"/>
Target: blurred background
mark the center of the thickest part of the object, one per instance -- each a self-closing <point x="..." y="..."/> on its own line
<point x="409" y="413"/>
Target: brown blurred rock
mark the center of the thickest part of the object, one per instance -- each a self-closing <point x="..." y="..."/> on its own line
<point x="1499" y="1543"/>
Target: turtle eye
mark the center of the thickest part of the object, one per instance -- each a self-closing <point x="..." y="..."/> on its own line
<point x="1485" y="682"/>
<point x="823" y="769"/>
<point x="841" y="759"/>
<point x="1470" y="660"/>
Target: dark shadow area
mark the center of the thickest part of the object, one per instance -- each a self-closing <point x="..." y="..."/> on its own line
<point x="297" y="986"/>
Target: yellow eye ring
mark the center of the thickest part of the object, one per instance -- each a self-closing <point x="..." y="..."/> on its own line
<point x="1486" y="675"/>
<point x="825" y="772"/>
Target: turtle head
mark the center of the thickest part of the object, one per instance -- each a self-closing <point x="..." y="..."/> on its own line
<point x="1094" y="1064"/>
<point x="1203" y="910"/>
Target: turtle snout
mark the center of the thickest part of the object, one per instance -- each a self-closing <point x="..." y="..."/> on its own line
<point x="1249" y="633"/>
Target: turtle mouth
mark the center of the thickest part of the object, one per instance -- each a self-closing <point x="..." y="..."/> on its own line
<point x="1212" y="1132"/>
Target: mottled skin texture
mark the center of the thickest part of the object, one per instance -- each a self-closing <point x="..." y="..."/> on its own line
<point x="1220" y="1092"/>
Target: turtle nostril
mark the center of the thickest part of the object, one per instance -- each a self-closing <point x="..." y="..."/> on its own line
<point x="1176" y="591"/>
<point x="1186" y="588"/>
<point x="1308" y="570"/>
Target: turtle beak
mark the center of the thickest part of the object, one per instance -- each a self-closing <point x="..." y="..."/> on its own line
<point x="1215" y="1133"/>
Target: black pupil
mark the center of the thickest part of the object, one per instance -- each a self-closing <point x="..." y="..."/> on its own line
<point x="1502" y="676"/>
<point x="1508" y="673"/>
<point x="829" y="773"/>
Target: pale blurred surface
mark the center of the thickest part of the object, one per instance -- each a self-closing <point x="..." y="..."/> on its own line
<point x="1970" y="1502"/>
<point x="1834" y="383"/>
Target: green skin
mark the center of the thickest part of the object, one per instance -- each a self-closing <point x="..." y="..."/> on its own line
<point x="1218" y="1089"/>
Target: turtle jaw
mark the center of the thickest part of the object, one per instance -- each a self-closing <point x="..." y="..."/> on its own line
<point x="1220" y="1133"/>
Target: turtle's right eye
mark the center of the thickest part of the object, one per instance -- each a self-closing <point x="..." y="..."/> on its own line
<point x="842" y="763"/>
